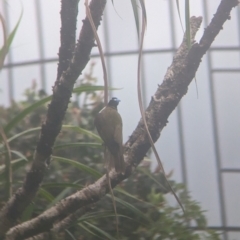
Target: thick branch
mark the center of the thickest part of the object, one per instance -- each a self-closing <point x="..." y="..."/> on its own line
<point x="165" y="100"/>
<point x="69" y="12"/>
<point x="62" y="225"/>
<point x="51" y="127"/>
<point x="179" y="76"/>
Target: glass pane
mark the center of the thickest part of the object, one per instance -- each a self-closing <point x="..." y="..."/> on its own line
<point x="199" y="145"/>
<point x="232" y="198"/>
<point x="25" y="78"/>
<point x="25" y="43"/>
<point x="123" y="76"/>
<point x="121" y="26"/>
<point x="223" y="38"/>
<point x="168" y="149"/>
<point x="158" y="24"/>
<point x="154" y="70"/>
<point x="234" y="235"/>
<point x="228" y="117"/>
<point x="50" y="11"/>
<point x="225" y="59"/>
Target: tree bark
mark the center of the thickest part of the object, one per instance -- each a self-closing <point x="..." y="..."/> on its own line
<point x="62" y="92"/>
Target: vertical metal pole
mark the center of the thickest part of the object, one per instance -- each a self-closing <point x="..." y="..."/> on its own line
<point x="143" y="75"/>
<point x="179" y="108"/>
<point x="107" y="49"/>
<point x="40" y="43"/>
<point x="215" y="135"/>
<point x="238" y="22"/>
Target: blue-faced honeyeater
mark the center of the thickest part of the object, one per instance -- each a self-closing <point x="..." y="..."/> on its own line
<point x="109" y="126"/>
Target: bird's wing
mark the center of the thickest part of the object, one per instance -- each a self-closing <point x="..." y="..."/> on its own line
<point x="119" y="161"/>
<point x="98" y="124"/>
<point x="118" y="134"/>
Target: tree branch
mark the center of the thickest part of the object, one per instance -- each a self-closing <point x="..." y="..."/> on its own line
<point x="165" y="100"/>
<point x="51" y="127"/>
<point x="69" y="12"/>
<point x="62" y="225"/>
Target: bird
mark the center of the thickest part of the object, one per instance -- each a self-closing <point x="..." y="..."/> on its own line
<point x="108" y="123"/>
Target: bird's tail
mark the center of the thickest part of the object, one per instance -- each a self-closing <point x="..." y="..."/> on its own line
<point x="116" y="161"/>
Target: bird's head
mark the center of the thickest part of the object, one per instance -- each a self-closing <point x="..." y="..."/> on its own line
<point x="113" y="102"/>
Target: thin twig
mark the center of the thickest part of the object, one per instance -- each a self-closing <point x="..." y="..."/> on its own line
<point x="105" y="99"/>
<point x="99" y="45"/>
<point x="142" y="110"/>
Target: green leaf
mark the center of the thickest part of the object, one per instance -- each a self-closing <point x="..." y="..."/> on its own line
<point x="83" y="131"/>
<point x="77" y="144"/>
<point x="99" y="215"/>
<point x="70" y="234"/>
<point x="79" y="165"/>
<point x="24" y="113"/>
<point x="179" y="14"/>
<point x="27" y="214"/>
<point x="188" y="32"/>
<point x="39" y="103"/>
<point x="147" y="173"/>
<point x="47" y="195"/>
<point x="89" y="231"/>
<point x="61" y="185"/>
<point x="18" y="164"/>
<point x="19" y="154"/>
<point x="136" y="15"/>
<point x="4" y="50"/>
<point x="144" y="12"/>
<point x="75" y="128"/>
<point x="100" y="231"/>
<point x="8" y="165"/>
<point x="31" y="130"/>
<point x="15" y="164"/>
<point x="131" y="208"/>
<point x="61" y="195"/>
<point x="122" y="191"/>
<point x="187" y="22"/>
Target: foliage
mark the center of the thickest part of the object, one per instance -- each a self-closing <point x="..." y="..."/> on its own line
<point x="143" y="200"/>
<point x="8" y="38"/>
